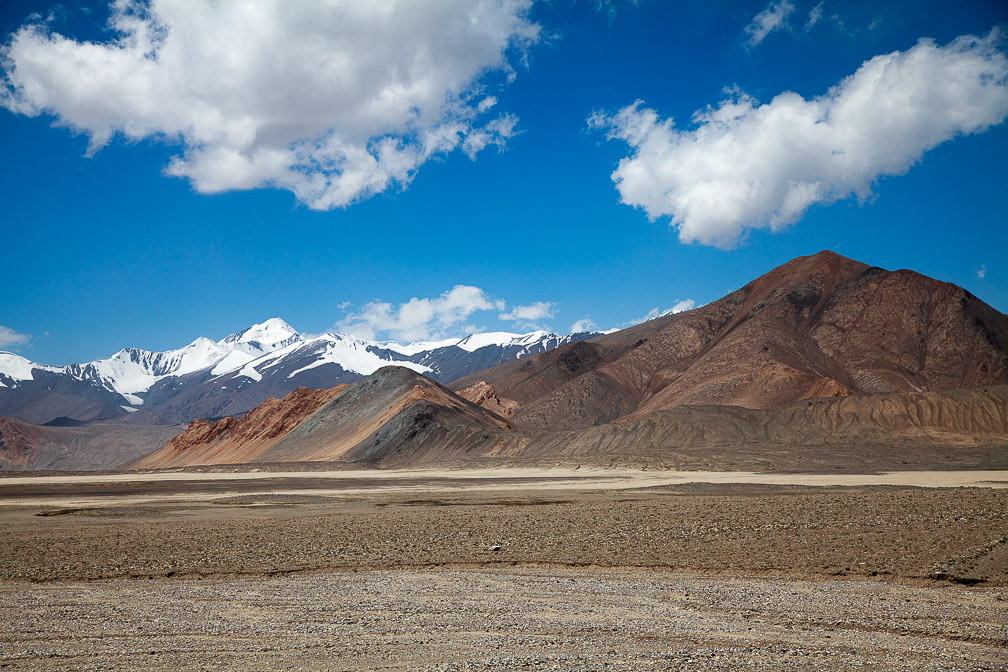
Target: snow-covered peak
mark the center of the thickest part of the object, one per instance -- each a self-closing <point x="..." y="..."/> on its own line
<point x="501" y="338"/>
<point x="274" y="348"/>
<point x="270" y="335"/>
<point x="198" y="355"/>
<point x="16" y="366"/>
<point x="416" y="346"/>
<point x="133" y="370"/>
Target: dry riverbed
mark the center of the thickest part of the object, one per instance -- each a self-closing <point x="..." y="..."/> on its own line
<point x="553" y="570"/>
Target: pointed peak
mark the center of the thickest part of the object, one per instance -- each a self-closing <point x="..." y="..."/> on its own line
<point x="273" y="331"/>
<point x="828" y="265"/>
<point x="277" y="323"/>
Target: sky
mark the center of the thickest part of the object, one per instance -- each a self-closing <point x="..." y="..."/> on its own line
<point x="419" y="170"/>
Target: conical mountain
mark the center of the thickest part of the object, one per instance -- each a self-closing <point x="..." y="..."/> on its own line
<point x="817" y="326"/>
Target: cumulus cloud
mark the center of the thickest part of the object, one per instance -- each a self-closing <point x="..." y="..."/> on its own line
<point x="9" y="337"/>
<point x="583" y="325"/>
<point x="419" y="319"/>
<point x="540" y="310"/>
<point x="333" y="101"/>
<point x="750" y="165"/>
<point x="774" y="17"/>
<point x="981" y="272"/>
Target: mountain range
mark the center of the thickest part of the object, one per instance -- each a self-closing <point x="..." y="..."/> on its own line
<point x="210" y="379"/>
<point x="823" y="363"/>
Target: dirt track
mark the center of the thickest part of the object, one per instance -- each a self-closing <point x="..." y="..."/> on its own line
<point x="428" y="573"/>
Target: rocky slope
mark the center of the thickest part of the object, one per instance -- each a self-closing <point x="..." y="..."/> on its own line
<point x="954" y="429"/>
<point x="236" y="441"/>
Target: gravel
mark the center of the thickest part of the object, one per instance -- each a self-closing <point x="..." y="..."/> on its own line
<point x="517" y="618"/>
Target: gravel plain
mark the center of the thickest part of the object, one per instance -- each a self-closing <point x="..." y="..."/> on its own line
<point x="672" y="577"/>
<point x="493" y="618"/>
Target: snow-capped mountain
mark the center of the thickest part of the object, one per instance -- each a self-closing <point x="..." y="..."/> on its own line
<point x="209" y="378"/>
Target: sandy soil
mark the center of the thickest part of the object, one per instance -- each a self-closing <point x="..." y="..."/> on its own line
<point x="555" y="570"/>
<point x="136" y="488"/>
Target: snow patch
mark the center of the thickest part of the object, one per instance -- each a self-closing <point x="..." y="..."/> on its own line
<point x="132" y="399"/>
<point x="353" y="355"/>
<point x="232" y="362"/>
<point x="129" y="409"/>
<point x="249" y="372"/>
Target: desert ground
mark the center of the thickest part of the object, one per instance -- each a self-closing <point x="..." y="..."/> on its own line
<point x="565" y="569"/>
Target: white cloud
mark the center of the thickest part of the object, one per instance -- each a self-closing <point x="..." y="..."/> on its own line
<point x="751" y="165"/>
<point x="981" y="272"/>
<point x="583" y="325"/>
<point x="540" y="310"/>
<point x="9" y="337"/>
<point x="496" y="133"/>
<point x="813" y="16"/>
<point x="774" y="17"/>
<point x="334" y="102"/>
<point x="419" y="319"/>
<point x="684" y="305"/>
<point x="678" y="307"/>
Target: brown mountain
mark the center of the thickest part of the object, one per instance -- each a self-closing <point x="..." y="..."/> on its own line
<point x="818" y="326"/>
<point x="393" y="417"/>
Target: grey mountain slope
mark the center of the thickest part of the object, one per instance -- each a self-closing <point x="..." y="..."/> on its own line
<point x="394" y="417"/>
<point x="52" y="395"/>
<point x="94" y="446"/>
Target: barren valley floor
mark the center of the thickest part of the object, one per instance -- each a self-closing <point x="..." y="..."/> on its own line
<point x="506" y="570"/>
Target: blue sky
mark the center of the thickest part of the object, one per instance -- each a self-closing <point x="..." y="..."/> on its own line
<point x="106" y="249"/>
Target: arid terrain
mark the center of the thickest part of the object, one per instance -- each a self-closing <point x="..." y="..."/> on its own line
<point x="506" y="569"/>
<point x="809" y="473"/>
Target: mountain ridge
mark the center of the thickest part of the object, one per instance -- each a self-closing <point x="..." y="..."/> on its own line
<point x="209" y="378"/>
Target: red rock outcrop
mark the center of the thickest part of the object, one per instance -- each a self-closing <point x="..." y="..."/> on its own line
<point x="485" y="395"/>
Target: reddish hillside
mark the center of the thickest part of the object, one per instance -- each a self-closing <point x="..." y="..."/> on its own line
<point x="231" y="441"/>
